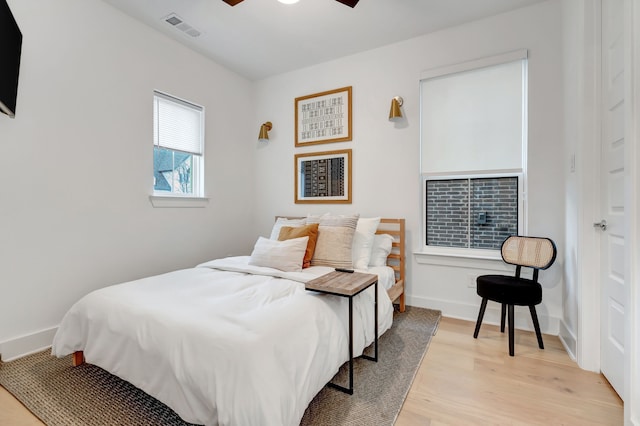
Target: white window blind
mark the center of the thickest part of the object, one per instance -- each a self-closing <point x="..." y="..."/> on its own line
<point x="473" y="119"/>
<point x="179" y="124"/>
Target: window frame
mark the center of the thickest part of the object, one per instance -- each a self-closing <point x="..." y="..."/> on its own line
<point x="163" y="198"/>
<point x="521" y="173"/>
<point x="466" y="251"/>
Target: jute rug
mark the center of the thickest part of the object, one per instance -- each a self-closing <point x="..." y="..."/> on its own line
<point x="59" y="394"/>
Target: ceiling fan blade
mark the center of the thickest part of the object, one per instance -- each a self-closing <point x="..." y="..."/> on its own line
<point x="350" y="3"/>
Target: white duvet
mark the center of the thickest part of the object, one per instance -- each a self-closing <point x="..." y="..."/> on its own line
<point x="223" y="343"/>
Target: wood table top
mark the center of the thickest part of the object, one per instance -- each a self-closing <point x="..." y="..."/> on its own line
<point x="342" y="283"/>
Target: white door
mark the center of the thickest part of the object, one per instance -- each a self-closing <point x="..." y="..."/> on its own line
<point x="612" y="247"/>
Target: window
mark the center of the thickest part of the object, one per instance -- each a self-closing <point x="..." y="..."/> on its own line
<point x="178" y="135"/>
<point x="473" y="152"/>
<point x="478" y="213"/>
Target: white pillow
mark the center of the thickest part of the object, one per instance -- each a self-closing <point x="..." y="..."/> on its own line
<point x="363" y="241"/>
<point x="284" y="255"/>
<point x="281" y="221"/>
<point x="382" y="244"/>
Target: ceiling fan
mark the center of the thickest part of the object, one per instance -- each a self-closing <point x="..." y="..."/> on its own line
<point x="350" y="3"/>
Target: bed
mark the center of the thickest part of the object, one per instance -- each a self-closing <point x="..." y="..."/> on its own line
<point x="231" y="341"/>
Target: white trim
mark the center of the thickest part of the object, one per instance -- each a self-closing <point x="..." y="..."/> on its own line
<point x="516" y="55"/>
<point x="568" y="340"/>
<point x="461" y="257"/>
<point x="159" y="201"/>
<point x="177" y="99"/>
<point x="632" y="211"/>
<point x="473" y="174"/>
<point x="471" y="252"/>
<point x="26" y="345"/>
<point x="469" y="312"/>
<point x="588" y="184"/>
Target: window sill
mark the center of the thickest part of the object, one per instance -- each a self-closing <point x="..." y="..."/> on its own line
<point x="159" y="201"/>
<point x="462" y="258"/>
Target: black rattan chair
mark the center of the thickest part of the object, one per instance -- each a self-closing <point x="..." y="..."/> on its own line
<point x="533" y="252"/>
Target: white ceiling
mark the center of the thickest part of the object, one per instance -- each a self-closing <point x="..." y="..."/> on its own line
<point x="260" y="38"/>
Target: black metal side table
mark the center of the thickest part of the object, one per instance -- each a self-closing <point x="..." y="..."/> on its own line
<point x="348" y="285"/>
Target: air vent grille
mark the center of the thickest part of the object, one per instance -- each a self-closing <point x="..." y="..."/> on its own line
<point x="177" y="22"/>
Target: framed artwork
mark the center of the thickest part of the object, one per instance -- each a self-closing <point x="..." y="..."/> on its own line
<point x="323" y="117"/>
<point x="323" y="177"/>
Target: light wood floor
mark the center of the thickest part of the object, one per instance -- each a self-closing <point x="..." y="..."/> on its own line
<point x="13" y="413"/>
<point x="467" y="381"/>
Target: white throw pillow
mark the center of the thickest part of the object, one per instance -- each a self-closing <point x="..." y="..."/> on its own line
<point x="382" y="244"/>
<point x="363" y="241"/>
<point x="281" y="221"/>
<point x="283" y="255"/>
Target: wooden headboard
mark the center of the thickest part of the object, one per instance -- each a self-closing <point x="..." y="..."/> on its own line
<point x="396" y="259"/>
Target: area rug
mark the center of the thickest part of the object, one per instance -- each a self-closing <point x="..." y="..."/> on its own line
<point x="60" y="394"/>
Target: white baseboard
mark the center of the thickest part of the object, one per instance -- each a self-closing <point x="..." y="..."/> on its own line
<point x="26" y="345"/>
<point x="469" y="312"/>
<point x="569" y="340"/>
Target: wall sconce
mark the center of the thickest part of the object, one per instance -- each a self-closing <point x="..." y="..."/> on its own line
<point x="395" y="113"/>
<point x="264" y="131"/>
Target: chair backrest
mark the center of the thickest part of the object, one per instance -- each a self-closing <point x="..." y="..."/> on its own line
<point x="533" y="252"/>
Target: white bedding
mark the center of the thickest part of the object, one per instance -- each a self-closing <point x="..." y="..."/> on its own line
<point x="223" y="343"/>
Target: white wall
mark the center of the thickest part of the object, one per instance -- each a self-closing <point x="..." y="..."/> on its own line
<point x="77" y="163"/>
<point x="386" y="155"/>
<point x="77" y="158"/>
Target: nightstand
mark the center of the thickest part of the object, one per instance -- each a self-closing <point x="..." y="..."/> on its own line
<point x="348" y="285"/>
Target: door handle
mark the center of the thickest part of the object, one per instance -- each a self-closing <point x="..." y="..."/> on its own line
<point x="602" y="225"/>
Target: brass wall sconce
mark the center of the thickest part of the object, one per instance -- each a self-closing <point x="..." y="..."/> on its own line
<point x="264" y="131"/>
<point x="395" y="113"/>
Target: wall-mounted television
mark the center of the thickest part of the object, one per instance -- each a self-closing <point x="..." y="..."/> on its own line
<point x="10" y="49"/>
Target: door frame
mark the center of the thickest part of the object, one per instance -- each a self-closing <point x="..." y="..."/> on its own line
<point x="588" y="274"/>
<point x="632" y="205"/>
<point x="588" y="159"/>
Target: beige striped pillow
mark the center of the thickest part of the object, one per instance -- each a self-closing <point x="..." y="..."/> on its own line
<point x="335" y="238"/>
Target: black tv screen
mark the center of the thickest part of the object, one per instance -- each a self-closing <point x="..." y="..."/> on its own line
<point x="10" y="49"/>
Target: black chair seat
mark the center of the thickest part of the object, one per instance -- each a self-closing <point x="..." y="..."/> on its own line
<point x="509" y="290"/>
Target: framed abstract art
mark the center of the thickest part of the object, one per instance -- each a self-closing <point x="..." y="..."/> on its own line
<point x="323" y="177"/>
<point x="323" y="117"/>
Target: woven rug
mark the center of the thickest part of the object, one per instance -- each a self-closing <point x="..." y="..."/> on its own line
<point x="60" y="394"/>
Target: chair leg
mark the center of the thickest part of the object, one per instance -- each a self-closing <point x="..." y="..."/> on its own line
<point x="536" y="325"/>
<point x="483" y="306"/>
<point x="502" y="315"/>
<point x="511" y="332"/>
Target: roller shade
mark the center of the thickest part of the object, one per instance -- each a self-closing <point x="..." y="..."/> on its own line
<point x="474" y="119"/>
<point x="179" y="124"/>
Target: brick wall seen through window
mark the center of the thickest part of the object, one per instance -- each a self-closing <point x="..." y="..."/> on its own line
<point x="471" y="213"/>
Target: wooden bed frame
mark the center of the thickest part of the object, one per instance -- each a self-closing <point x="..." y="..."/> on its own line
<point x="395" y="260"/>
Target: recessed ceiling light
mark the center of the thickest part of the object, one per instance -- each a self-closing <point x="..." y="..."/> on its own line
<point x="288" y="1"/>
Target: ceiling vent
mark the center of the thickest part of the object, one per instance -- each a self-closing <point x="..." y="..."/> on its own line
<point x="176" y="22"/>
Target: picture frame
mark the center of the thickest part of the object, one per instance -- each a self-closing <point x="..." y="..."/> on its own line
<point x="323" y="177"/>
<point x="323" y="117"/>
